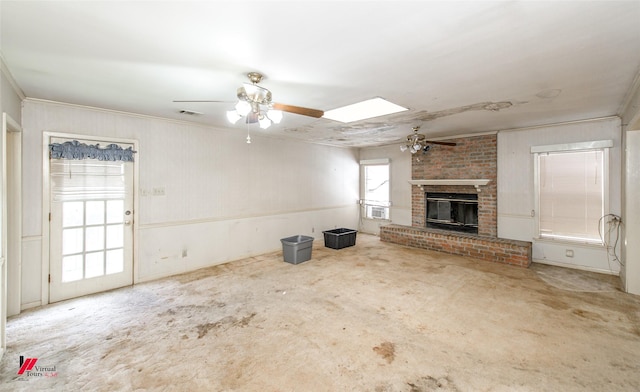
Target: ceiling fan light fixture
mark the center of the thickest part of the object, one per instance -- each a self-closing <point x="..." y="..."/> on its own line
<point x="275" y="115"/>
<point x="418" y="142"/>
<point x="252" y="118"/>
<point x="254" y="103"/>
<point x="233" y="116"/>
<point x="254" y="93"/>
<point x="264" y="122"/>
<point x="243" y="108"/>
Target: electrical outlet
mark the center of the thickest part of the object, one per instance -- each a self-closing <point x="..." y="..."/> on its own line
<point x="568" y="252"/>
<point x="184" y="253"/>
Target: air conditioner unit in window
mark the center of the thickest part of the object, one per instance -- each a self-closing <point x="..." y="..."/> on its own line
<point x="378" y="212"/>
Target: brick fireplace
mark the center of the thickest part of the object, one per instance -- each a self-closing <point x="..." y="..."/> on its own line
<point x="448" y="169"/>
<point x="471" y="158"/>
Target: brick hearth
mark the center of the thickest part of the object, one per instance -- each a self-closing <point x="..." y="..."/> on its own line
<point x="481" y="247"/>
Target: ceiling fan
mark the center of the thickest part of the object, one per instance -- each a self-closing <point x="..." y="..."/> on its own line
<point x="418" y="142"/>
<point x="255" y="103"/>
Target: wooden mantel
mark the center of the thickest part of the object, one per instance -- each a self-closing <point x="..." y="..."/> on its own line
<point x="451" y="181"/>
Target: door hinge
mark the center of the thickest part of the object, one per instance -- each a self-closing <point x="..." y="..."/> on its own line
<point x="49" y="217"/>
<point x="49" y="278"/>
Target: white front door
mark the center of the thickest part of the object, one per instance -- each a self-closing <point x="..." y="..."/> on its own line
<point x="91" y="228"/>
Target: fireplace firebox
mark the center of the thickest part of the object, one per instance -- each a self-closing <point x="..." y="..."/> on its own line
<point x="452" y="211"/>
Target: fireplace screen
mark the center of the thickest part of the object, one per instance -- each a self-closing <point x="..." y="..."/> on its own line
<point x="452" y="211"/>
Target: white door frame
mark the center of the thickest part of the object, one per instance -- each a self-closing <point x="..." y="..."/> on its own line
<point x="12" y="140"/>
<point x="46" y="207"/>
<point x="10" y="259"/>
<point x="11" y="223"/>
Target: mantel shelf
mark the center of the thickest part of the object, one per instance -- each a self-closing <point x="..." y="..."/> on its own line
<point x="460" y="181"/>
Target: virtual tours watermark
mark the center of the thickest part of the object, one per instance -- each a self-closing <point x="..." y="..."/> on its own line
<point x="29" y="368"/>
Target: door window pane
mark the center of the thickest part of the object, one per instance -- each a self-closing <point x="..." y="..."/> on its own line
<point x="115" y="211"/>
<point x="71" y="268"/>
<point x="95" y="212"/>
<point x="115" y="236"/>
<point x="94" y="264"/>
<point x="72" y="213"/>
<point x="72" y="241"/>
<point x="115" y="261"/>
<point x="95" y="238"/>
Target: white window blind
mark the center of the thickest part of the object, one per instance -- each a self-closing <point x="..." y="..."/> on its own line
<point x="571" y="194"/>
<point x="86" y="180"/>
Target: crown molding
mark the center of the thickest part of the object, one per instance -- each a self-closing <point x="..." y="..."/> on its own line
<point x="549" y="125"/>
<point x="7" y="73"/>
<point x="633" y="90"/>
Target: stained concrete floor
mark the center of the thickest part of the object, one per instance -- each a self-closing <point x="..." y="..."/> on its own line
<point x="373" y="317"/>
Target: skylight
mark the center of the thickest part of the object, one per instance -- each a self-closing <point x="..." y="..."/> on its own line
<point x="363" y="110"/>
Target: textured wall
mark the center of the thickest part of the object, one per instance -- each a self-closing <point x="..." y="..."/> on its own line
<point x="221" y="199"/>
<point x="517" y="218"/>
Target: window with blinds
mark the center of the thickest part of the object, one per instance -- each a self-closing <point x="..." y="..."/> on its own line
<point x="86" y="180"/>
<point x="572" y="194"/>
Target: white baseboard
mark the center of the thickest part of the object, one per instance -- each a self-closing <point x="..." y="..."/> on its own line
<point x="578" y="267"/>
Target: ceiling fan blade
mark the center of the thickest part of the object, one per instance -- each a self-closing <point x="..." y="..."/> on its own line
<point x="441" y="143"/>
<point x="299" y="110"/>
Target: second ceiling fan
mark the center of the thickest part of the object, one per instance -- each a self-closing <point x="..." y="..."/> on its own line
<point x="418" y="142"/>
<point x="256" y="105"/>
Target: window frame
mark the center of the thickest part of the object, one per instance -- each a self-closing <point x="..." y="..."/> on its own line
<point x="536" y="151"/>
<point x="368" y="205"/>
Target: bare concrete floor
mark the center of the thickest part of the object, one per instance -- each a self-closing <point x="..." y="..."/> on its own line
<point x="373" y="317"/>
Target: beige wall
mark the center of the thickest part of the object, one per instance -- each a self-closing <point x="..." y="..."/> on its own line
<point x="223" y="199"/>
<point x="516" y="189"/>
<point x="9" y="98"/>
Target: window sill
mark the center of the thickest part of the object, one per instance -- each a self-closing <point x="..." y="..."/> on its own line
<point x="582" y="243"/>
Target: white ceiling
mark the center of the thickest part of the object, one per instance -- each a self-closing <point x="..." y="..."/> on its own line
<point x="542" y="62"/>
